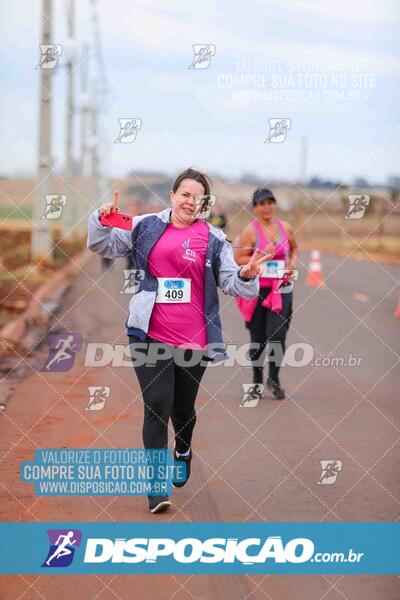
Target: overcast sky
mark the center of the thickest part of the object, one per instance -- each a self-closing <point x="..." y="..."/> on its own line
<point x="335" y="64"/>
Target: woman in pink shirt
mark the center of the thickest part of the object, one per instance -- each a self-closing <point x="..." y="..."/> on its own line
<point x="176" y="312"/>
<point x="268" y="316"/>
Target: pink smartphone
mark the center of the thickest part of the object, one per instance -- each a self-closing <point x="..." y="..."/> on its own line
<point x="117" y="219"/>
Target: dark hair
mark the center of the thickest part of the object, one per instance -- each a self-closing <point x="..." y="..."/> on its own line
<point x="197" y="176"/>
<point x="262" y="194"/>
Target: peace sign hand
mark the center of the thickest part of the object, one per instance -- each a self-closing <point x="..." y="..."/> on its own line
<point x="110" y="207"/>
<point x="254" y="266"/>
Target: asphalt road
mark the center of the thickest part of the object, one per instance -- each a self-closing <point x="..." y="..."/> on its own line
<point x="251" y="464"/>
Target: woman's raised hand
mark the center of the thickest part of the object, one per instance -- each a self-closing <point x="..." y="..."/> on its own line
<point x="110" y="207"/>
<point x="254" y="266"/>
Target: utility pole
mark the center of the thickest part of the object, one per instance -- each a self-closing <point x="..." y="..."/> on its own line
<point x="69" y="215"/>
<point x="97" y="106"/>
<point x="300" y="205"/>
<point x="102" y="186"/>
<point x="95" y="140"/>
<point x="84" y="126"/>
<point x="303" y="161"/>
<point x="84" y="110"/>
<point x="41" y="240"/>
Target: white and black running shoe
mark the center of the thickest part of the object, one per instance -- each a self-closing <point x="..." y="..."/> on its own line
<point x="187" y="460"/>
<point x="158" y="504"/>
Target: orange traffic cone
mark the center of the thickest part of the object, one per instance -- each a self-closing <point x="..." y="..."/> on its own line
<point x="397" y="311"/>
<point x="315" y="276"/>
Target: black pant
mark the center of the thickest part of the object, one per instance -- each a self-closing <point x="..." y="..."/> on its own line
<point x="268" y="326"/>
<point x="169" y="391"/>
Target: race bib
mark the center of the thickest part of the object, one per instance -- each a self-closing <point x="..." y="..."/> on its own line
<point x="173" y="290"/>
<point x="274" y="269"/>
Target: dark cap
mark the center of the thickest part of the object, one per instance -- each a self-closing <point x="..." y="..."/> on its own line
<point x="262" y="194"/>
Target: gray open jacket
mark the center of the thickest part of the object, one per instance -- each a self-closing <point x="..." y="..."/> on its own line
<point x="221" y="270"/>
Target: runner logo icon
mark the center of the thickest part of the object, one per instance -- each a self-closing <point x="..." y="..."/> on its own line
<point x="54" y="206"/>
<point x="357" y="206"/>
<point x="128" y="129"/>
<point x="278" y="130"/>
<point x="62" y="547"/>
<point x="49" y="55"/>
<point x="97" y="397"/>
<point x="252" y="392"/>
<point x="203" y="54"/>
<point x="330" y="470"/>
<point x="63" y="347"/>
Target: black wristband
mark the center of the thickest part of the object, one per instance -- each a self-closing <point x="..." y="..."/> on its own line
<point x="245" y="278"/>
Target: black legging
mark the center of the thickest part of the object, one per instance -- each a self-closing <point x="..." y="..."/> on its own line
<point x="268" y="326"/>
<point x="169" y="391"/>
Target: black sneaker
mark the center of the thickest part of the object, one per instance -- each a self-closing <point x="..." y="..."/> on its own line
<point x="186" y="459"/>
<point x="276" y="389"/>
<point x="158" y="504"/>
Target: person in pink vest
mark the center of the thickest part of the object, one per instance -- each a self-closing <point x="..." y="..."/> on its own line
<point x="268" y="316"/>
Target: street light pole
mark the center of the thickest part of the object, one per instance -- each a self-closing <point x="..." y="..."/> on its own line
<point x="41" y="240"/>
<point x="84" y="107"/>
<point x="95" y="140"/>
<point x="303" y="161"/>
<point x="69" y="215"/>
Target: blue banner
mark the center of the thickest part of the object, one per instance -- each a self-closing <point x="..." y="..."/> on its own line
<point x="102" y="472"/>
<point x="200" y="548"/>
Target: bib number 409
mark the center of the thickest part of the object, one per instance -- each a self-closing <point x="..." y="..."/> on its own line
<point x="174" y="294"/>
<point x="173" y="289"/>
